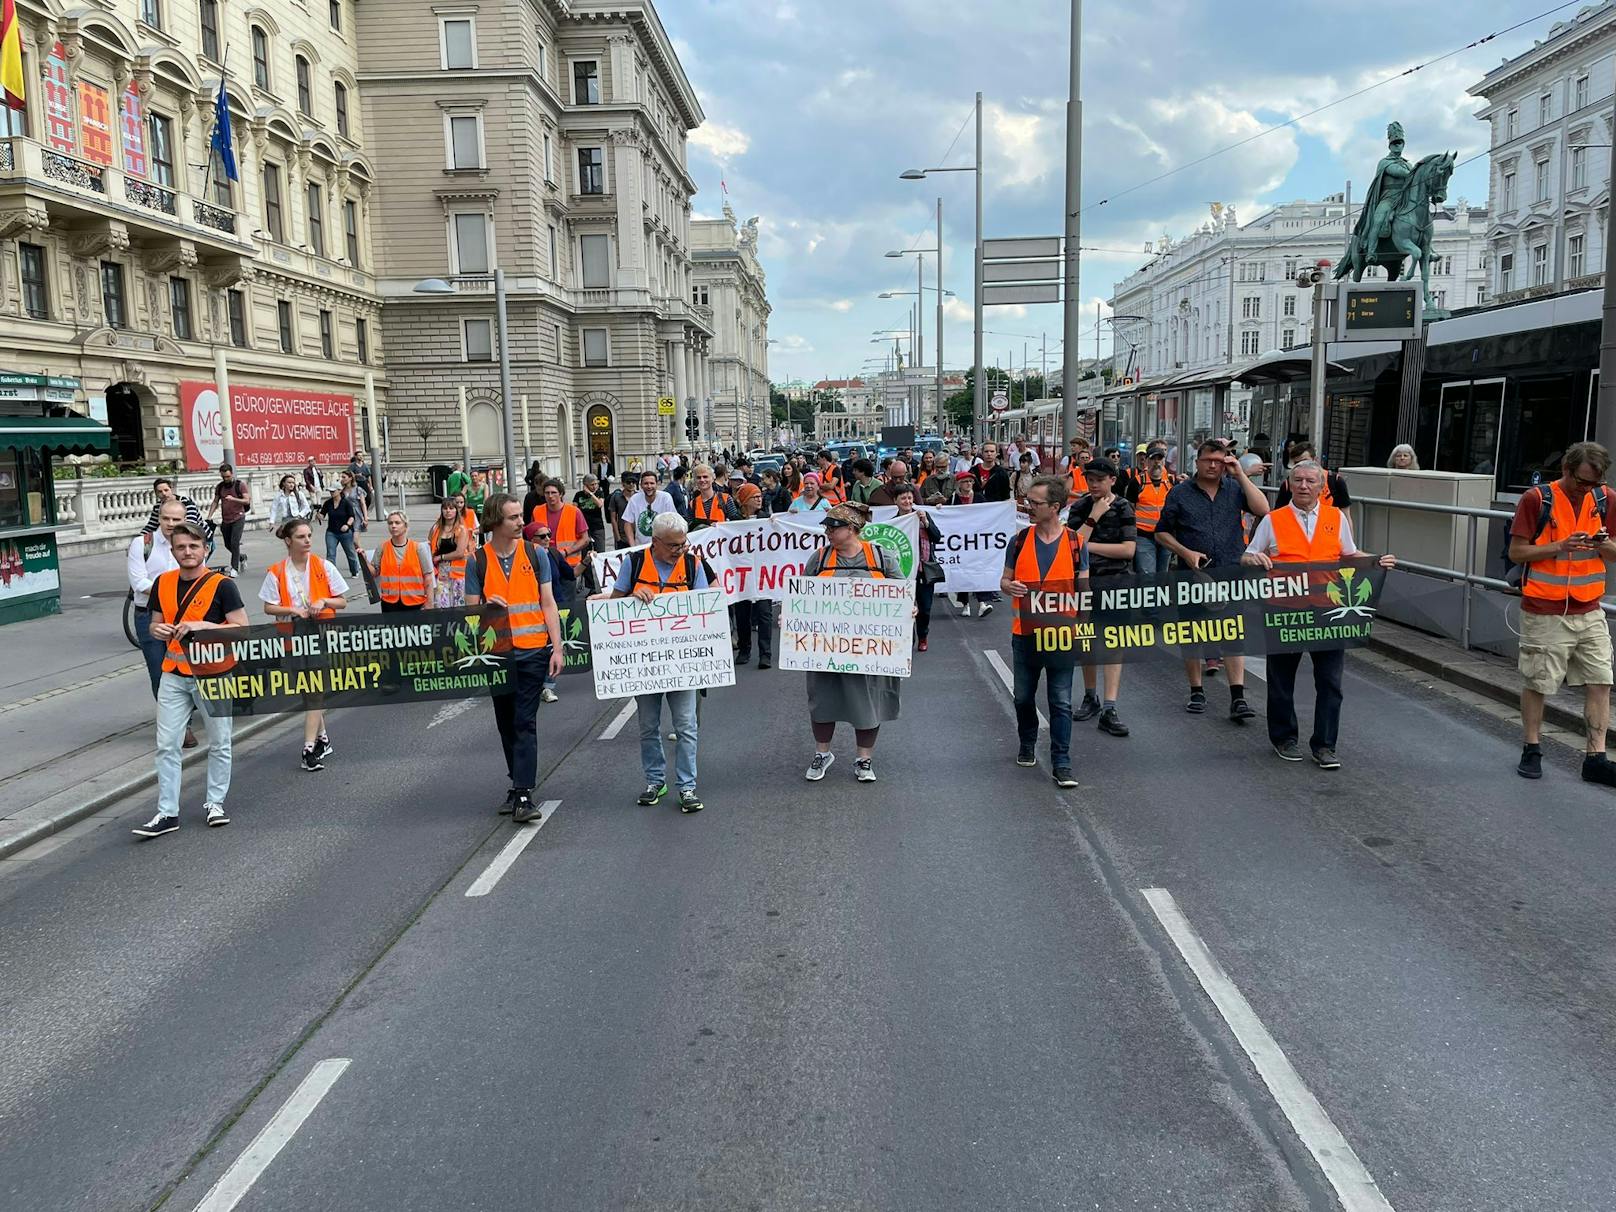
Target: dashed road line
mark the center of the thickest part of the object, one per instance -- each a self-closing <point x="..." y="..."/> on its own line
<point x="484" y="883"/>
<point x="618" y="721"/>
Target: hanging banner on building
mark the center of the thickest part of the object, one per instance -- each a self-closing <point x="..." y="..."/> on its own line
<point x="365" y="660"/>
<point x="1227" y="611"/>
<point x="274" y="426"/>
<point x="95" y="122"/>
<point x="848" y="625"/>
<point x="972" y="548"/>
<point x="676" y="641"/>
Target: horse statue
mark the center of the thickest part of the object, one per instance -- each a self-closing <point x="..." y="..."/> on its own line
<point x="1407" y="228"/>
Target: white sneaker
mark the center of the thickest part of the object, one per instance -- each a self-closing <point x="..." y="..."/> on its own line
<point x="548" y="696"/>
<point x="817" y="767"/>
<point x="864" y="770"/>
<point x="216" y="816"/>
<point x="231" y="573"/>
<point x="987" y="609"/>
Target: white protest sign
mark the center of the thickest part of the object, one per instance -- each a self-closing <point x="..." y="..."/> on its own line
<point x="676" y="641"/>
<point x="847" y="625"/>
<point x="974" y="540"/>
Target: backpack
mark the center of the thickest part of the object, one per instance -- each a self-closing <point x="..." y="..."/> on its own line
<point x="636" y="566"/>
<point x="1516" y="573"/>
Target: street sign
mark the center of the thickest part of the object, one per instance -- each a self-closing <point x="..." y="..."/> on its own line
<point x="1000" y="402"/>
<point x="1021" y="271"/>
<point x="666" y="406"/>
<point x="1025" y="293"/>
<point x="1021" y="248"/>
<point x="1379" y="311"/>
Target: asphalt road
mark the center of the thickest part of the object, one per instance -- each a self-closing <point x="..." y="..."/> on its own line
<point x="946" y="990"/>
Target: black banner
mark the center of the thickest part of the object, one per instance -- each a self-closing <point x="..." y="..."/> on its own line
<point x="362" y="660"/>
<point x="1222" y="612"/>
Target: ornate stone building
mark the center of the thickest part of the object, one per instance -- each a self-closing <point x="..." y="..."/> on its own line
<point x="728" y="277"/>
<point x="131" y="266"/>
<point x="546" y="139"/>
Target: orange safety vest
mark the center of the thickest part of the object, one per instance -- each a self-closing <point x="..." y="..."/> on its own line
<point x="569" y="529"/>
<point x="455" y="568"/>
<point x="713" y="512"/>
<point x="167" y="592"/>
<point x="523" y="625"/>
<point x="1572" y="576"/>
<point x="1147" y="511"/>
<point x="871" y="561"/>
<point x="319" y="587"/>
<point x="646" y="573"/>
<point x="1080" y="481"/>
<point x="469" y="520"/>
<point x="1062" y="578"/>
<point x="401" y="578"/>
<point x="1291" y="544"/>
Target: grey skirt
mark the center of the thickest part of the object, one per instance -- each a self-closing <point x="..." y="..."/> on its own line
<point x="859" y="699"/>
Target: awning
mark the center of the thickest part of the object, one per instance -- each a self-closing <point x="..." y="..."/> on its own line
<point x="1289" y="366"/>
<point x="55" y="435"/>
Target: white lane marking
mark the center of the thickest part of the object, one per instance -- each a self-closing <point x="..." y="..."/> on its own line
<point x="247" y="1169"/>
<point x="1008" y="678"/>
<point x="618" y="721"/>
<point x="1353" y="1184"/>
<point x="1257" y="665"/>
<point x="450" y="710"/>
<point x="484" y="883"/>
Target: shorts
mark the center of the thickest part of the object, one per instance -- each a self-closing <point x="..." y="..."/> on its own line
<point x="1571" y="648"/>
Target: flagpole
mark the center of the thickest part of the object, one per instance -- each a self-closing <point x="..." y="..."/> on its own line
<point x="224" y="72"/>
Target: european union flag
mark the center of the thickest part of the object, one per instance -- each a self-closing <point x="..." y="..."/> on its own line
<point x="223" y="143"/>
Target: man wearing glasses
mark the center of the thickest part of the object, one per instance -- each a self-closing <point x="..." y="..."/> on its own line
<point x="1147" y="492"/>
<point x="1043" y="569"/>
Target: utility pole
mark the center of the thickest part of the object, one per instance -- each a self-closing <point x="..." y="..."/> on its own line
<point x="979" y="405"/>
<point x="939" y="351"/>
<point x="1072" y="300"/>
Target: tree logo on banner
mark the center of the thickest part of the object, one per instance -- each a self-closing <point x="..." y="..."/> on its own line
<point x="895" y="541"/>
<point x="1349" y="598"/>
<point x="574" y="638"/>
<point x="474" y="647"/>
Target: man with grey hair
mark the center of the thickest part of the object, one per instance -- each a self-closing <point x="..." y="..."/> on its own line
<point x="668" y="566"/>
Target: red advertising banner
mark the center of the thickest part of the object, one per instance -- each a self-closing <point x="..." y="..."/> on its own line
<point x="274" y="426"/>
<point x="95" y="118"/>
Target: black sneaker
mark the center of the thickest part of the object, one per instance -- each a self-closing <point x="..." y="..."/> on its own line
<point x="1087" y="709"/>
<point x="157" y="826"/>
<point x="1325" y="759"/>
<point x="689" y="801"/>
<point x="1289" y="751"/>
<point x="1026" y="757"/>
<point x="1112" y="723"/>
<point x="1597" y="768"/>
<point x="322" y="747"/>
<point x="1065" y="778"/>
<point x="1197" y="703"/>
<point x="523" y="809"/>
<point x="311" y="760"/>
<point x="652" y="793"/>
<point x="1531" y="764"/>
<point x="1240" y="711"/>
<point x="743" y="658"/>
<point x="509" y="806"/>
<point x="763" y="663"/>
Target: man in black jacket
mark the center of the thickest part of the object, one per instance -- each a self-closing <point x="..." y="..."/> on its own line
<point x="992" y="480"/>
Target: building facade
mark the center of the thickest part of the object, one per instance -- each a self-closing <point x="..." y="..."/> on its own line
<point x="727" y="277"/>
<point x="1550" y="114"/>
<point x="546" y="139"/>
<point x="133" y="269"/>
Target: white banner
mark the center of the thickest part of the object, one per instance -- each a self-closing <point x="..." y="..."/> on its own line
<point x="847" y="625"/>
<point x="973" y="545"/>
<point x="676" y="641"/>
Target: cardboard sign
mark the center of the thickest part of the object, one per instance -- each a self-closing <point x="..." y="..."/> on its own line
<point x="676" y="641"/>
<point x="848" y="625"/>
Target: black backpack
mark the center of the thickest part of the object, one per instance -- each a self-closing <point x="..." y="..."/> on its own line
<point x="1516" y="573"/>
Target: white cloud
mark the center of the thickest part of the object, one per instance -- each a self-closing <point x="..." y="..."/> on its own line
<point x="720" y="141"/>
<point x="842" y="305"/>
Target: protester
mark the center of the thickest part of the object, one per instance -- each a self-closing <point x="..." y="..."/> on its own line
<point x="569" y="531"/>
<point x="563" y="584"/>
<point x="708" y="506"/>
<point x="303" y="586"/>
<point x="313" y="481"/>
<point x="1147" y="495"/>
<point x="450" y="543"/>
<point x="359" y="469"/>
<point x="864" y="481"/>
<point x="232" y="498"/>
<point x="1403" y="458"/>
<point x="776" y="496"/>
<point x="588" y="502"/>
<point x="616" y="503"/>
<point x="290" y="502"/>
<point x="340" y="522"/>
<point x="992" y="480"/>
<point x="831" y="485"/>
<point x="1307" y="531"/>
<point x="185" y="600"/>
<point x="865" y="701"/>
<point x="354" y="493"/>
<point x="1022" y="480"/>
<point x="810" y="501"/>
<point x="897" y="475"/>
<point x="750" y="615"/>
<point x="163" y="488"/>
<point x="938" y="488"/>
<point x="1048" y="560"/>
<point x="1561" y="536"/>
<point x="511" y="578"/>
<point x="476" y="496"/>
<point x="927" y="571"/>
<point x="965" y="493"/>
<point x="1076" y="460"/>
<point x="643" y="507"/>
<point x="1106" y="523"/>
<point x="1335" y="488"/>
<point x="457" y="482"/>
<point x="404" y="569"/>
<point x="1200" y="524"/>
<point x="149" y="556"/>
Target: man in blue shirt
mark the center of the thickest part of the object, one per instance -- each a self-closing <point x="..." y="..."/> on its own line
<point x="1201" y="524"/>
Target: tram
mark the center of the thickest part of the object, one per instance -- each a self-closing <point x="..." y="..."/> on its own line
<point x="1040" y="421"/>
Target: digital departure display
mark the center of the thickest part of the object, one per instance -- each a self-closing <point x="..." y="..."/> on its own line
<point x="1382" y="309"/>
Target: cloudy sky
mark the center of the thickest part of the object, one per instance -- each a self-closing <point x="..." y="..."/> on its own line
<point x="814" y="107"/>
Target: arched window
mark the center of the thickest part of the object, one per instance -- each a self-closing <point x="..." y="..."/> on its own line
<point x="305" y="87"/>
<point x="260" y="56"/>
<point x="339" y="98"/>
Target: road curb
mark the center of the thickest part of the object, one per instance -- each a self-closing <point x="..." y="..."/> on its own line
<point x="1456" y="674"/>
<point x="39" y="830"/>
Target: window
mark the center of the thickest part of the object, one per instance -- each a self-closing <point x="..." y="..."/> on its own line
<point x="471" y="243"/>
<point x="700" y="296"/>
<point x="236" y="304"/>
<point x="1481" y="296"/>
<point x="479" y="340"/>
<point x="1441" y="297"/>
<point x="1506" y="192"/>
<point x="334" y="13"/>
<point x="361" y="332"/>
<point x="208" y="12"/>
<point x="328" y="340"/>
<point x="35" y="292"/>
<point x="465" y="141"/>
<point x="1574" y="256"/>
<point x="1579" y="167"/>
<point x="339" y="102"/>
<point x="457" y="39"/>
<point x="1251" y="307"/>
<point x="1248" y="344"/>
<point x="1512" y="124"/>
<point x="350" y="230"/>
<point x="586" y="82"/>
<point x="597" y="347"/>
<point x="1287" y="338"/>
<point x="316" y="220"/>
<point x="1580" y="93"/>
<point x="1540" y="265"/>
<point x="179" y="307"/>
<point x="549" y="161"/>
<point x="151" y="13"/>
<point x="596" y="253"/>
<point x="283" y="321"/>
<point x="1540" y="181"/>
<point x="538" y="65"/>
<point x="112" y="299"/>
<point x="1290" y="269"/>
<point x="305" y="87"/>
<point x="160" y="137"/>
<point x="591" y="170"/>
<point x="260" y="54"/>
<point x="1545" y="107"/>
<point x="1288" y="307"/>
<point x="1506" y="271"/>
<point x="555" y="255"/>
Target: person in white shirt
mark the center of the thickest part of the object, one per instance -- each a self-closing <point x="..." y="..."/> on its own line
<point x="305" y="586"/>
<point x="643" y="506"/>
<point x="149" y="557"/>
<point x="290" y="502"/>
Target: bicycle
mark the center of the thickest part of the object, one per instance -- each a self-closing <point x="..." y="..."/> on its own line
<point x="209" y="529"/>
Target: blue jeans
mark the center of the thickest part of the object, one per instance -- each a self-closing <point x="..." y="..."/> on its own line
<point x="682" y="707"/>
<point x="151" y="649"/>
<point x="176" y="698"/>
<point x="346" y="539"/>
<point x="1150" y="558"/>
<point x="1028" y="664"/>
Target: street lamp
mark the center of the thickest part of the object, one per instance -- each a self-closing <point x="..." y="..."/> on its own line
<point x="438" y="286"/>
<point x="920" y="297"/>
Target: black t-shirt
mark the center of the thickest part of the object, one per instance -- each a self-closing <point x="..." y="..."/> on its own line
<point x="1115" y="526"/>
<point x="995" y="485"/>
<point x="225" y="599"/>
<point x="339" y="515"/>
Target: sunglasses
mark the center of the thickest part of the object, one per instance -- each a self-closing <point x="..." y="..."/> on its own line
<point x="833" y="524"/>
<point x="542" y="536"/>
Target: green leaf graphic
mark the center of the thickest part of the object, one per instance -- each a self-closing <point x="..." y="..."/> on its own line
<point x="1365" y="592"/>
